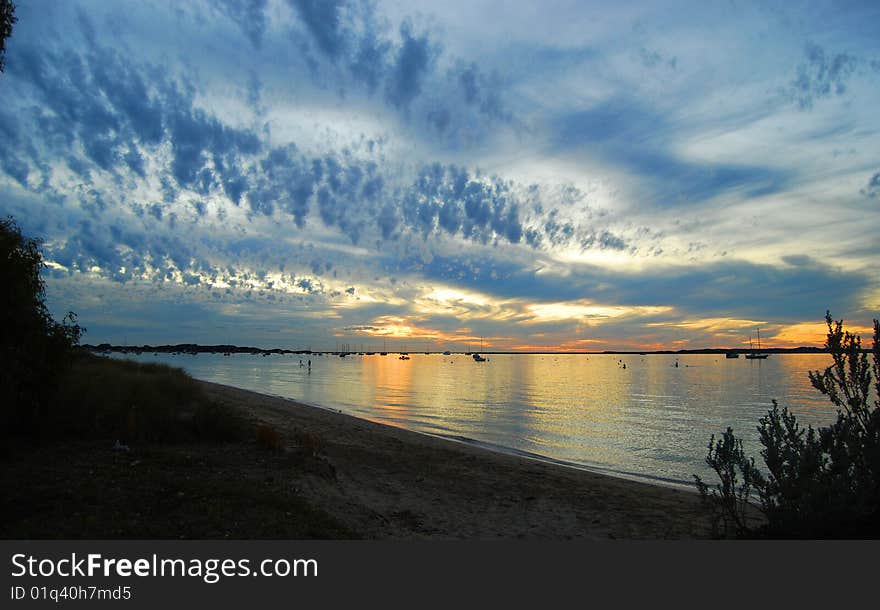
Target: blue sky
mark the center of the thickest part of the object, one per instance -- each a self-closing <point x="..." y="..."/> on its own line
<point x="573" y="175"/>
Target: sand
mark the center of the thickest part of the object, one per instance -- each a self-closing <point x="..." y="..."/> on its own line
<point x="389" y="483"/>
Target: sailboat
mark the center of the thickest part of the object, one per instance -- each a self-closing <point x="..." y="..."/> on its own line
<point x="477" y="356"/>
<point x="756" y="355"/>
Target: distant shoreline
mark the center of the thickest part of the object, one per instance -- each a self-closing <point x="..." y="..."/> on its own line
<point x="194" y="348"/>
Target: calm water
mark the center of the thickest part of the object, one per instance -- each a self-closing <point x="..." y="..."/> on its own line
<point x="651" y="420"/>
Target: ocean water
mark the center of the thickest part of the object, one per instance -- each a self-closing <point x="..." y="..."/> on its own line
<point x="649" y="421"/>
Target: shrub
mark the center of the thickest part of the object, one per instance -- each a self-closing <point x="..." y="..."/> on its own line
<point x="728" y="504"/>
<point x="132" y="401"/>
<point x="821" y="483"/>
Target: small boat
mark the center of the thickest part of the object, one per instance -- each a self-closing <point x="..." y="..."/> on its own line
<point x="403" y="357"/>
<point x="447" y="353"/>
<point x="731" y="355"/>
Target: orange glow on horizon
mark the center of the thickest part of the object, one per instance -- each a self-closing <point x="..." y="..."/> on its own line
<point x="708" y="333"/>
<point x="813" y="334"/>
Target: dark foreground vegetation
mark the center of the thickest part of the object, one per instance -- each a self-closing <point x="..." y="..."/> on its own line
<point x="92" y="447"/>
<point x="133" y="450"/>
<point x="821" y="483"/>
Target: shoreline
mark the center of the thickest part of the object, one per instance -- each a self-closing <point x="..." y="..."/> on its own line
<point x="393" y="483"/>
<point x="490" y="447"/>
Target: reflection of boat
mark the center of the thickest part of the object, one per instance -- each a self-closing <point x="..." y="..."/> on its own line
<point x="732" y="355"/>
<point x="756" y="355"/>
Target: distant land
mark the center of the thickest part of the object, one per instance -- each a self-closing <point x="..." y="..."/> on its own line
<point x="192" y="348"/>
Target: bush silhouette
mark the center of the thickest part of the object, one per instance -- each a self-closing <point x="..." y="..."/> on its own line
<point x="821" y="483"/>
<point x="34" y="348"/>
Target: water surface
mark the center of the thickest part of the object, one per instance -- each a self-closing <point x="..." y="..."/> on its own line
<point x="650" y="420"/>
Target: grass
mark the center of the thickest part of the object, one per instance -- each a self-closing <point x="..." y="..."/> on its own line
<point x="194" y="468"/>
<point x="131" y="401"/>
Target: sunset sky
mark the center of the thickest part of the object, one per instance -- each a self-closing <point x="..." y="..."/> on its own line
<point x="544" y="175"/>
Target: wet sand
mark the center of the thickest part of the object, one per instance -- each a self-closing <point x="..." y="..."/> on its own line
<point x="390" y="483"/>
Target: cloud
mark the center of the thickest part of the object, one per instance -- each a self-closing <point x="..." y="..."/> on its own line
<point x="198" y="139"/>
<point x="821" y="76"/>
<point x="249" y="15"/>
<point x="872" y="189"/>
<point x="431" y="91"/>
<point x="626" y="134"/>
<point x="324" y="23"/>
<point x="158" y="139"/>
<point x="101" y="101"/>
<point x="415" y="58"/>
<point x="725" y="289"/>
<point x="345" y="158"/>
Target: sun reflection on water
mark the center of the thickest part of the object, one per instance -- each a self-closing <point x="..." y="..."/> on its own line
<point x="636" y="414"/>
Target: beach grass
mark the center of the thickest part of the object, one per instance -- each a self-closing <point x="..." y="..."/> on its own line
<point x="131" y="450"/>
<point x="132" y="401"/>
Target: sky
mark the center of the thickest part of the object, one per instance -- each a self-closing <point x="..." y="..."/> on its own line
<point x="546" y="175"/>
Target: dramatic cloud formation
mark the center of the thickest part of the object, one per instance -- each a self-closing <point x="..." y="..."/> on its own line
<point x="299" y="172"/>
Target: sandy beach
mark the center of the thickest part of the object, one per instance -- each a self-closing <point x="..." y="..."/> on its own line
<point x="391" y="483"/>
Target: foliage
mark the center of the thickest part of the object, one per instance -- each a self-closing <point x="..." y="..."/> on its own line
<point x="729" y="508"/>
<point x="821" y="483"/>
<point x="34" y="348"/>
<point x="131" y="401"/>
<point x="7" y="20"/>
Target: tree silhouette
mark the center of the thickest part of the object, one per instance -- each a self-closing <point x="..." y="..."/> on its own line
<point x="34" y="348"/>
<point x="7" y="19"/>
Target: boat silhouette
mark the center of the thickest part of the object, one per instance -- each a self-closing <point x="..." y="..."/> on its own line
<point x="756" y="355"/>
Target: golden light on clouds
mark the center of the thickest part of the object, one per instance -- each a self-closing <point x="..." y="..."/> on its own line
<point x="587" y="313"/>
<point x="711" y="324"/>
<point x="464" y="305"/>
<point x="396" y="327"/>
<point x="814" y="334"/>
